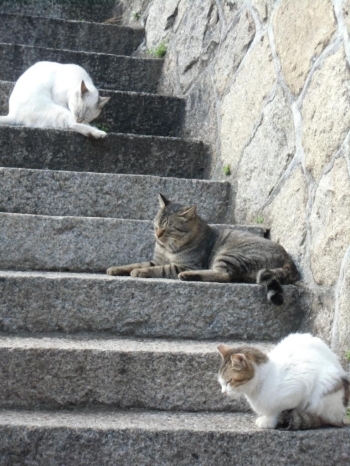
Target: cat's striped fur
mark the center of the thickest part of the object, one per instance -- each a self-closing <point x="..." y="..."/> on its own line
<point x="189" y="249"/>
<point x="298" y="385"/>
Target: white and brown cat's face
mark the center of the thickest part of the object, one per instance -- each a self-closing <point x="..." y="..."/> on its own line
<point x="174" y="224"/>
<point x="86" y="105"/>
<point x="238" y="368"/>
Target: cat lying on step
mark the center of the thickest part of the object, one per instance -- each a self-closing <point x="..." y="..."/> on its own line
<point x="189" y="249"/>
<point x="51" y="95"/>
<point x="300" y="384"/>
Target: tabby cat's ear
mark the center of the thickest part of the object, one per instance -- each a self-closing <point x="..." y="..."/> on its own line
<point x="189" y="213"/>
<point x="163" y="201"/>
<point x="224" y="350"/>
<point x="83" y="88"/>
<point x="102" y="101"/>
<point x="238" y="361"/>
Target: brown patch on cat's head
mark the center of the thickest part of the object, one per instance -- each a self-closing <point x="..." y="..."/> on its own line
<point x="238" y="365"/>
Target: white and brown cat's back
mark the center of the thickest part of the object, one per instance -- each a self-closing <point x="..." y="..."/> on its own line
<point x="54" y="95"/>
<point x="300" y="384"/>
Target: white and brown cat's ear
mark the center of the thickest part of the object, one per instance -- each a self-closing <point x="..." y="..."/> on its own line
<point x="83" y="88"/>
<point x="189" y="213"/>
<point x="102" y="101"/>
<point x="239" y="361"/>
<point x="224" y="350"/>
<point x="163" y="201"/>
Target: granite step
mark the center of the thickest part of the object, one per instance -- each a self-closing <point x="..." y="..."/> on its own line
<point x="115" y="72"/>
<point x="77" y="244"/>
<point x="56" y="371"/>
<point x="128" y="112"/>
<point x="60" y="193"/>
<point x="91" y="10"/>
<point x="39" y="302"/>
<point x="117" y="153"/>
<point x="152" y="438"/>
<point x="71" y="35"/>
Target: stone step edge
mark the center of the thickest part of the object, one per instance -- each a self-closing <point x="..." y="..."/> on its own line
<point x="59" y="20"/>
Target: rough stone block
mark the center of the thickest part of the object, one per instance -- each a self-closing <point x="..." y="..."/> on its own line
<point x="107" y="71"/>
<point x="48" y="192"/>
<point x="153" y="308"/>
<point x="117" y="153"/>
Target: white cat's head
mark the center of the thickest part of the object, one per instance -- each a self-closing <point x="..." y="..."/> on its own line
<point x="86" y="104"/>
<point x="238" y="368"/>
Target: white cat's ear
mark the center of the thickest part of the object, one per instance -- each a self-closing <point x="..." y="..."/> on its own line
<point x="238" y="361"/>
<point x="189" y="213"/>
<point x="83" y="88"/>
<point x="163" y="201"/>
<point x="102" y="101"/>
<point x="224" y="350"/>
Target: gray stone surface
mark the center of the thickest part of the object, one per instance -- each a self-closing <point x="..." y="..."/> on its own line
<point x="85" y="370"/>
<point x="49" y="302"/>
<point x="117" y="153"/>
<point x="69" y="35"/>
<point x="128" y="112"/>
<point x="92" y="10"/>
<point x="47" y="192"/>
<point x="101" y="437"/>
<point x="107" y="71"/>
<point x="79" y="244"/>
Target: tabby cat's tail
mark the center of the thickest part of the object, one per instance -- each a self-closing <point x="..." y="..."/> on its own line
<point x="296" y="420"/>
<point x="274" y="289"/>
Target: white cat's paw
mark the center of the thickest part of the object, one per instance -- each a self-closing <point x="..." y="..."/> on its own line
<point x="265" y="422"/>
<point x="96" y="133"/>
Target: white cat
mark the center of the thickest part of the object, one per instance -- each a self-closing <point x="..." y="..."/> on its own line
<point x="52" y="95"/>
<point x="300" y="384"/>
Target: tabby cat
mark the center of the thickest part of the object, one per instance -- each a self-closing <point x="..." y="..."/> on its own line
<point x="189" y="249"/>
<point x="300" y="384"/>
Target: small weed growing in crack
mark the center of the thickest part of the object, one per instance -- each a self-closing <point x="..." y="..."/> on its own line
<point x="227" y="170"/>
<point x="159" y="51"/>
<point x="259" y="219"/>
<point x="347" y="355"/>
<point x="136" y="15"/>
<point x="101" y="127"/>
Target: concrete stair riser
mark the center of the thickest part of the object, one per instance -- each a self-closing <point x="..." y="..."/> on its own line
<point x="79" y="244"/>
<point x="46" y="192"/>
<point x="128" y="112"/>
<point x="117" y="153"/>
<point x="57" y="372"/>
<point x="107" y="71"/>
<point x="70" y="35"/>
<point x="51" y="302"/>
<point x="92" y="10"/>
<point x="104" y="438"/>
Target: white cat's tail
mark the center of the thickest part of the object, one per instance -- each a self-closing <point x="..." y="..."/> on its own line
<point x="7" y="120"/>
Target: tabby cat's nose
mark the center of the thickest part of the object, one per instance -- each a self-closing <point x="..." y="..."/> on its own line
<point x="159" y="232"/>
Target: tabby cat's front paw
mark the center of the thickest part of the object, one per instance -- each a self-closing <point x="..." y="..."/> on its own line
<point x="141" y="273"/>
<point x="190" y="276"/>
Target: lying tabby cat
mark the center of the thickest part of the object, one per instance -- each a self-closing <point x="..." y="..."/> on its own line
<point x="189" y="249"/>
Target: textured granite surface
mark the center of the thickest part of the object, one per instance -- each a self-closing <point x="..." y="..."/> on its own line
<point x="154" y="308"/>
<point x="128" y="112"/>
<point x="90" y="438"/>
<point x="47" y="192"/>
<point x="117" y="153"/>
<point x="58" y="371"/>
<point x="69" y="35"/>
<point x="79" y="244"/>
<point x="107" y="71"/>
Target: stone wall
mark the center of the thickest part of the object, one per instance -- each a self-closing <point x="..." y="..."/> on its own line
<point x="267" y="83"/>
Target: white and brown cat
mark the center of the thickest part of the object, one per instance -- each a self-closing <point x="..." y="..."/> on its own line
<point x="52" y="95"/>
<point x="300" y="384"/>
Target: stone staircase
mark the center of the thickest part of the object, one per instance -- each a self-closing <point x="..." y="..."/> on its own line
<point x="98" y="370"/>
